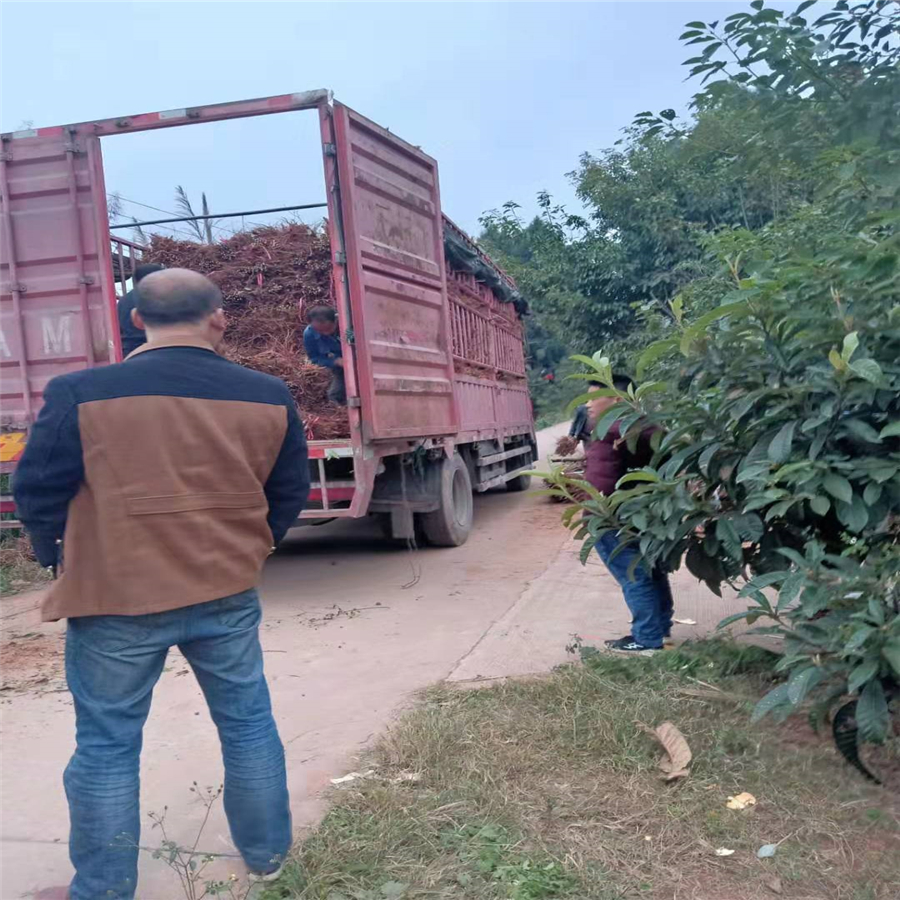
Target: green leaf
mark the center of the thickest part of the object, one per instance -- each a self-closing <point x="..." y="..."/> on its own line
<point x="863" y="430"/>
<point x="780" y="447"/>
<point x="891" y="652"/>
<point x="858" y="638"/>
<point x="838" y="487"/>
<point x="862" y="674"/>
<point x="868" y="369"/>
<point x="608" y="419"/>
<point x="706" y="457"/>
<point x="872" y="493"/>
<point x="891" y="430"/>
<point x="876" y="610"/>
<point x="855" y="515"/>
<point x="774" y="699"/>
<point x="790" y="589"/>
<point x="735" y="617"/>
<point x="696" y="25"/>
<point x="638" y="475"/>
<point x="835" y="359"/>
<point x="851" y="342"/>
<point x="654" y="352"/>
<point x="749" y="526"/>
<point x="872" y="714"/>
<point x="820" y="504"/>
<point x="806" y="4"/>
<point x="730" y="539"/>
<point x="801" y="682"/>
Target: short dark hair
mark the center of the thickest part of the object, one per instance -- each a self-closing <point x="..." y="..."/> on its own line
<point x="177" y="297"/>
<point x="622" y="382"/>
<point x="326" y="313"/>
<point x="595" y="384"/>
<point x="144" y="269"/>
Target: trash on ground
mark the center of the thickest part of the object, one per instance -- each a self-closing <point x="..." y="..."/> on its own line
<point x="741" y="801"/>
<point x="724" y="851"/>
<point x="684" y="621"/>
<point x="767" y="851"/>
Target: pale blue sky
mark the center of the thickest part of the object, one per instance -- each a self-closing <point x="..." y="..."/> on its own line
<point x="506" y="96"/>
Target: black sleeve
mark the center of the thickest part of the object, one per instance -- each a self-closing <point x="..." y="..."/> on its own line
<point x="579" y="423"/>
<point x="288" y="484"/>
<point x="50" y="472"/>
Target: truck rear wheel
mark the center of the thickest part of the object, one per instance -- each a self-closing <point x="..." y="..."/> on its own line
<point x="519" y="483"/>
<point x="449" y="525"/>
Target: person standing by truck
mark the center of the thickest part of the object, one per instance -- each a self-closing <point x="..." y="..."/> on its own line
<point x="155" y="489"/>
<point x="648" y="594"/>
<point x="322" y="343"/>
<point x="132" y="336"/>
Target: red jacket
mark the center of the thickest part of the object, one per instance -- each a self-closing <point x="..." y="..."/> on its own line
<point x="607" y="460"/>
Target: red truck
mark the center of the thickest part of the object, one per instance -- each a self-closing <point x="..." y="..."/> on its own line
<point x="434" y="359"/>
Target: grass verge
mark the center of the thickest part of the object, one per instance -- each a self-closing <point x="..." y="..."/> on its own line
<point x="550" y="788"/>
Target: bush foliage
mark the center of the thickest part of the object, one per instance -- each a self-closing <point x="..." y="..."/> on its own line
<point x="773" y="377"/>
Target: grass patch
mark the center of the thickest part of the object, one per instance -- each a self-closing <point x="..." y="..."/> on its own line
<point x="549" y="788"/>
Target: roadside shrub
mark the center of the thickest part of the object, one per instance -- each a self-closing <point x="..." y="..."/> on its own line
<point x="777" y="449"/>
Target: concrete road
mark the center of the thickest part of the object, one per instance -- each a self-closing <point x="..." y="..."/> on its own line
<point x="353" y="629"/>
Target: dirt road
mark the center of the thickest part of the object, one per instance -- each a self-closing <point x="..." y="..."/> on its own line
<point x="353" y="629"/>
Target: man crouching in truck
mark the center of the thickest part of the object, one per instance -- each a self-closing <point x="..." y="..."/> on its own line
<point x="155" y="489"/>
<point x="322" y="343"/>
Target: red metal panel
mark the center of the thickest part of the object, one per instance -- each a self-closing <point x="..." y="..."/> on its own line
<point x="390" y="202"/>
<point x="476" y="403"/>
<point x="57" y="302"/>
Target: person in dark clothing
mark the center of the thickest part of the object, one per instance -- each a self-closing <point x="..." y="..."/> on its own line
<point x="132" y="336"/>
<point x="322" y="342"/>
<point x="167" y="480"/>
<point x="579" y="428"/>
<point x="648" y="594"/>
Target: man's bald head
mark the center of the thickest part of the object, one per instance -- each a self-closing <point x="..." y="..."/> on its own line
<point x="176" y="297"/>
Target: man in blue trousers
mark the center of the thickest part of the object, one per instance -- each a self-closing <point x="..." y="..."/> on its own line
<point x="155" y="489"/>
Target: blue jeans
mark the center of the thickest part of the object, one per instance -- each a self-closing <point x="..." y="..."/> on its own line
<point x="647" y="594"/>
<point x="112" y="665"/>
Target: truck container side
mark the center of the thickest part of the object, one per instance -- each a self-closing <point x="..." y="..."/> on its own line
<point x="435" y="362"/>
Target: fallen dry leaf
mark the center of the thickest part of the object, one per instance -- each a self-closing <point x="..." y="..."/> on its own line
<point x="352" y="776"/>
<point x="774" y="885"/>
<point x="677" y="758"/>
<point x="741" y="801"/>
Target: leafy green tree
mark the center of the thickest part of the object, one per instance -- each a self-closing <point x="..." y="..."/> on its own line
<point x="778" y="411"/>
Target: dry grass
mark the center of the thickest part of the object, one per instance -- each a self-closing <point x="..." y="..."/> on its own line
<point x="19" y="570"/>
<point x="550" y="788"/>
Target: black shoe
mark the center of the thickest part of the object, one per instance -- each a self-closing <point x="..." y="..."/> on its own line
<point x="628" y="644"/>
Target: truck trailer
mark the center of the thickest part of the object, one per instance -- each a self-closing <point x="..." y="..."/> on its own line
<point x="435" y="361"/>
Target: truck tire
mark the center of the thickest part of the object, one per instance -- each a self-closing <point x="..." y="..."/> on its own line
<point x="449" y="525"/>
<point x="518" y="484"/>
